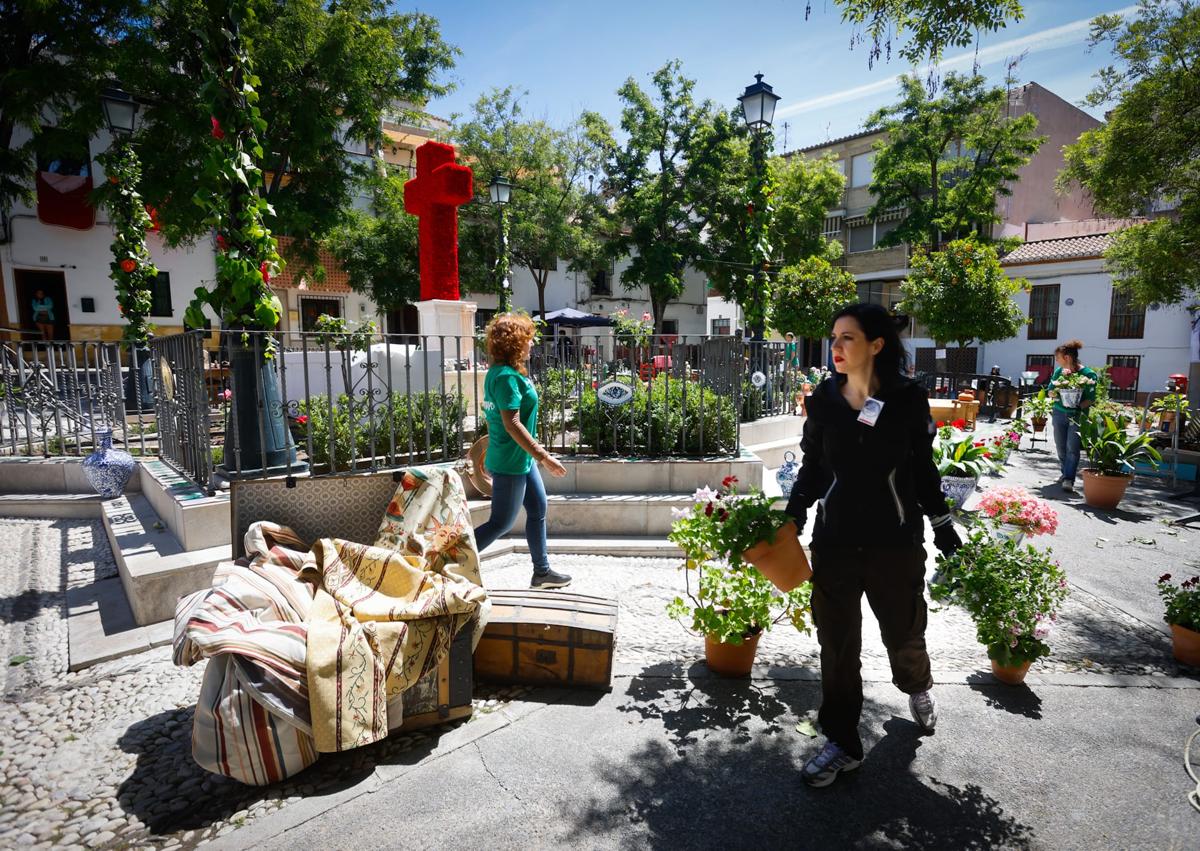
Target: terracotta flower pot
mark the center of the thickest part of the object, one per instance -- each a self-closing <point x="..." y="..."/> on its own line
<point x="1038" y="423"/>
<point x="1185" y="644"/>
<point x="783" y="562"/>
<point x="1104" y="491"/>
<point x="730" y="660"/>
<point x="1012" y="676"/>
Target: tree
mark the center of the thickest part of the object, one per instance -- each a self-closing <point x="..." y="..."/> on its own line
<point x="660" y="181"/>
<point x="961" y="294"/>
<point x="946" y="158"/>
<point x="328" y="73"/>
<point x="378" y="249"/>
<point x="807" y="294"/>
<point x="934" y="24"/>
<point x="799" y="191"/>
<point x="55" y="59"/>
<point x="547" y="212"/>
<point x="1145" y="156"/>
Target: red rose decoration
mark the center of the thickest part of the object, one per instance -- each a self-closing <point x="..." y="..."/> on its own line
<point x="940" y="424"/>
<point x="302" y="419"/>
<point x="750" y="209"/>
<point x="265" y="270"/>
<point x="708" y="510"/>
<point x="217" y="132"/>
<point x="959" y="424"/>
<point x="728" y="480"/>
<point x="112" y="179"/>
<point x="221" y="243"/>
<point x="128" y="265"/>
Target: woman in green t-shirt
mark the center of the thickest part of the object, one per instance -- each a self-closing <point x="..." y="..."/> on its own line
<point x="510" y="404"/>
<point x="1066" y="420"/>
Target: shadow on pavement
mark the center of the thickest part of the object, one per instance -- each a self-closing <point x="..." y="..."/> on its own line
<point x="1019" y="700"/>
<point x="689" y="702"/>
<point x="718" y="793"/>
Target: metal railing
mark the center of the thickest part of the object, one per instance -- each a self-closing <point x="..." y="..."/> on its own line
<point x="55" y="395"/>
<point x="181" y="405"/>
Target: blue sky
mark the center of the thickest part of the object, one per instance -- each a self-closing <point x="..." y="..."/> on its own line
<point x="571" y="56"/>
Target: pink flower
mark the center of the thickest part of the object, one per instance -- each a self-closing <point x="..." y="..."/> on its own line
<point x="646" y="317"/>
<point x="227" y="395"/>
<point x="217" y="132"/>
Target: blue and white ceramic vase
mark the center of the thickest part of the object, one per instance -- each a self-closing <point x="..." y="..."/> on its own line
<point x="108" y="469"/>
<point x="786" y="474"/>
<point x="957" y="489"/>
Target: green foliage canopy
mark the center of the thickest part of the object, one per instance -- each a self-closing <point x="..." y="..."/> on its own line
<point x="934" y="25"/>
<point x="807" y="294"/>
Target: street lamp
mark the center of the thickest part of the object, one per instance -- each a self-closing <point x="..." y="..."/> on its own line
<point x="500" y="190"/>
<point x="758" y="108"/>
<point x="120" y="111"/>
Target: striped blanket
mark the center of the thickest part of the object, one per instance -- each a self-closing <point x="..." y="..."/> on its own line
<point x="311" y="649"/>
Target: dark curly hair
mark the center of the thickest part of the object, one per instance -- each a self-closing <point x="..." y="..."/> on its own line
<point x="507" y="336"/>
<point x="1071" y="349"/>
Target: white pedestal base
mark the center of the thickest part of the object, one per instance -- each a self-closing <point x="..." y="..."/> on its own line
<point x="449" y="326"/>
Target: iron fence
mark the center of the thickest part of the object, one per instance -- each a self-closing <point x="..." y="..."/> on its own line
<point x="56" y="395"/>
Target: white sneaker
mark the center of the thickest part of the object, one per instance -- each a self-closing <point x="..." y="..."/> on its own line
<point x="924" y="710"/>
<point x="824" y="768"/>
<point x="1068" y="485"/>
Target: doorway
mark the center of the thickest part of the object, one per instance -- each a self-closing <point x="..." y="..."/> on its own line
<point x="53" y="286"/>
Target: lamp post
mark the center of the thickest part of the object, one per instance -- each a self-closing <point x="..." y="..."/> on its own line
<point x="500" y="191"/>
<point x="129" y="220"/>
<point x="758" y="108"/>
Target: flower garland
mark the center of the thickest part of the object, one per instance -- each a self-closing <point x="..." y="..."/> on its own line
<point x="132" y="271"/>
<point x="246" y="251"/>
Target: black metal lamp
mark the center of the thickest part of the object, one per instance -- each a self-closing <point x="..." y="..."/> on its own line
<point x="758" y="104"/>
<point x="120" y="111"/>
<point x="500" y="189"/>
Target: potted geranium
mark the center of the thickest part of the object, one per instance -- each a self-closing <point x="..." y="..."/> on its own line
<point x="1038" y="408"/>
<point x="1017" y="513"/>
<point x="1003" y="444"/>
<point x="1182" y="613"/>
<point x="1013" y="594"/>
<point x="1111" y="452"/>
<point x="960" y="460"/>
<point x="722" y="535"/>
<point x="1070" y="386"/>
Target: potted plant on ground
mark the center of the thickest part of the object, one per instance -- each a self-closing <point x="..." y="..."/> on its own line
<point x="1013" y="594"/>
<point x="1182" y="613"/>
<point x="1168" y="407"/>
<point x="722" y="535"/>
<point x="960" y="460"/>
<point x="1111" y="452"/>
<point x="1016" y="513"/>
<point x="1038" y="408"/>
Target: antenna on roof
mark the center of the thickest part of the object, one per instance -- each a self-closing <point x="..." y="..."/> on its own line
<point x="785" y="132"/>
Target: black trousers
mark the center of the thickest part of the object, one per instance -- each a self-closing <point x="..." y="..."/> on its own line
<point x="894" y="582"/>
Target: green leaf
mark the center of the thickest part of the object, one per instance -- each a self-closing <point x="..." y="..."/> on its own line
<point x="14" y="661"/>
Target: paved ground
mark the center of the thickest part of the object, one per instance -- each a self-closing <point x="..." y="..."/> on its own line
<point x="1088" y="756"/>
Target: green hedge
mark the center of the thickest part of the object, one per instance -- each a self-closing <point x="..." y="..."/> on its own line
<point x="435" y="418"/>
<point x="669" y="417"/>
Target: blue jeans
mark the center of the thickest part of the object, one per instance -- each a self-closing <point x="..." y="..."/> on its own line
<point x="508" y="494"/>
<point x="1066" y="441"/>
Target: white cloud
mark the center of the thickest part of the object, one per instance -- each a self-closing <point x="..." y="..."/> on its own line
<point x="1060" y="36"/>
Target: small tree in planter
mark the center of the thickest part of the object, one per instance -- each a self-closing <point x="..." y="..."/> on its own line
<point x="1013" y="594"/>
<point x="721" y="535"/>
<point x="1182" y="612"/>
<point x="1111" y="452"/>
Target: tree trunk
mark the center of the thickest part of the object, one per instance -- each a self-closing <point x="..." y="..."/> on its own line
<point x="658" y="307"/>
<point x="539" y="278"/>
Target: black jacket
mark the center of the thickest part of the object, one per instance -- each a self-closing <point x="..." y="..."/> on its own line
<point x="872" y="482"/>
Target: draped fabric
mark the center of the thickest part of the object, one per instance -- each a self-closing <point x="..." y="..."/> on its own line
<point x="312" y="649"/>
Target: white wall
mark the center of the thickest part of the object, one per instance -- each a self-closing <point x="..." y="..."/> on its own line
<point x="1163" y="347"/>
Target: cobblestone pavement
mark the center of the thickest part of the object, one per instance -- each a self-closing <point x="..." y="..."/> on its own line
<point x="101" y="758"/>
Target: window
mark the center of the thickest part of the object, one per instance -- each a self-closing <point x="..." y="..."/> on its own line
<point x="670" y="326"/>
<point x="1123" y="372"/>
<point x="882" y="229"/>
<point x="160" y="297"/>
<point x="601" y="280"/>
<point x="832" y="228"/>
<point x="862" y="238"/>
<point x="887" y="293"/>
<point x="1043" y="312"/>
<point x="860" y="170"/>
<point x="722" y="325"/>
<point x="312" y="308"/>
<point x="1126" y="320"/>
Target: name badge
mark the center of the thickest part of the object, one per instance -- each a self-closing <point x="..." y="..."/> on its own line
<point x="870" y="412"/>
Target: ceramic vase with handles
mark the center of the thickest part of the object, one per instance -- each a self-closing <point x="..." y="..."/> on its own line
<point x="108" y="469"/>
<point x="1069" y="398"/>
<point x="958" y="489"/>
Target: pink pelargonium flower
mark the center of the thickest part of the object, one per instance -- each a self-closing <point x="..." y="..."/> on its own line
<point x="646" y="317"/>
<point x="705" y="494"/>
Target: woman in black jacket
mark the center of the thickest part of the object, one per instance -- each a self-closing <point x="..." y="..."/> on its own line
<point x="868" y="461"/>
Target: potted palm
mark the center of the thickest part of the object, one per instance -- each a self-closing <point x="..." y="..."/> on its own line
<point x="960" y="460"/>
<point x="752" y="572"/>
<point x="1013" y="594"/>
<point x="1038" y="408"/>
<point x="1182" y="603"/>
<point x="1111" y="452"/>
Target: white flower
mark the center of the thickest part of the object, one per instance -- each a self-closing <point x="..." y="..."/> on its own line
<point x="705" y="494"/>
<point x="680" y="513"/>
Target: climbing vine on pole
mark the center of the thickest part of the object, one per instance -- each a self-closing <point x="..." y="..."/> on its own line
<point x="131" y="269"/>
<point x="246" y="254"/>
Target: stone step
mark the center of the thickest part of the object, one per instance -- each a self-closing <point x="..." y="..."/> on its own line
<point x="48" y="476"/>
<point x="630" y="547"/>
<point x="155" y="568"/>
<point x="771" y="453"/>
<point x="596" y="515"/>
<point x="72" y="505"/>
